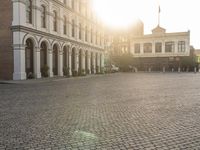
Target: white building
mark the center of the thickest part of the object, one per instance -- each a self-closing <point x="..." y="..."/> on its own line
<point x="161" y="44"/>
<point x="60" y="34"/>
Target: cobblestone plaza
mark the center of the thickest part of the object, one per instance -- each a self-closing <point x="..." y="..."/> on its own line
<point x="116" y="111"/>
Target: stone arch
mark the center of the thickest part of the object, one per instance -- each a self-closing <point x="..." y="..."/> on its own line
<point x="33" y="38"/>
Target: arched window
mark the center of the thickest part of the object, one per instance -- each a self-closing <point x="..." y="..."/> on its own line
<point x="29" y="11"/>
<point x="65" y="25"/>
<point x="54" y="20"/>
<point x="43" y="16"/>
<point x="91" y="36"/>
<point x="73" y="28"/>
<point x="86" y="33"/>
<point x="80" y="30"/>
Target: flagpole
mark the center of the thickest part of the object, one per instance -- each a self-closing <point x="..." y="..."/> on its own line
<point x="159" y="15"/>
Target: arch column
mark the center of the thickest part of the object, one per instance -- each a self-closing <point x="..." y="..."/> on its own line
<point x="98" y="63"/>
<point x="60" y="63"/>
<point x="49" y="62"/>
<point x="36" y="57"/>
<point x="76" y="65"/>
<point x="70" y="61"/>
<point x="88" y="62"/>
<point x="94" y="63"/>
<point x="83" y="60"/>
<point x="102" y="60"/>
<point x="19" y="62"/>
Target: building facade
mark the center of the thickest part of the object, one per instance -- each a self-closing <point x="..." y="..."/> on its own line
<point x="55" y="34"/>
<point x="161" y="51"/>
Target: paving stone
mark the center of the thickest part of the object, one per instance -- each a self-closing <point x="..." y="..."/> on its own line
<point x="115" y="111"/>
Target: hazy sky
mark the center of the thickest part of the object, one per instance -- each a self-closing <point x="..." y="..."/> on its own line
<point x="175" y="16"/>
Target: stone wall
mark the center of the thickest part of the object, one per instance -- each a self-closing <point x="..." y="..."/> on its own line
<point x="6" y="52"/>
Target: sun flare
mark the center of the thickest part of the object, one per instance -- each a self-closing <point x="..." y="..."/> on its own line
<point x="122" y="13"/>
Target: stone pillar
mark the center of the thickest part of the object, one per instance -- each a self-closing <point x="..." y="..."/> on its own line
<point x="179" y="69"/>
<point x="88" y="62"/>
<point x="163" y="47"/>
<point x="153" y="48"/>
<point x="19" y="62"/>
<point x="19" y="13"/>
<point x="195" y="69"/>
<point x="142" y="48"/>
<point x="164" y="69"/>
<point x="70" y="61"/>
<point x="60" y="63"/>
<point x="49" y="62"/>
<point x="76" y="60"/>
<point x="149" y="69"/>
<point x="37" y="71"/>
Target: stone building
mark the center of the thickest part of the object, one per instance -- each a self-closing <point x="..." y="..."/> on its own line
<point x="57" y="34"/>
<point x="159" y="51"/>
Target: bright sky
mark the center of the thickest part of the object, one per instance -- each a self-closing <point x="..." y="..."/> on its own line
<point x="175" y="16"/>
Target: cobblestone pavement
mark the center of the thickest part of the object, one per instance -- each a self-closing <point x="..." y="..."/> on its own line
<point x="117" y="111"/>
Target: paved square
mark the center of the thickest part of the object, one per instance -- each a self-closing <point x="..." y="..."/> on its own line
<point x="116" y="111"/>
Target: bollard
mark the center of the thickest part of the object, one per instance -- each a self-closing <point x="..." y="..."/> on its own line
<point x="163" y="69"/>
<point x="179" y="69"/>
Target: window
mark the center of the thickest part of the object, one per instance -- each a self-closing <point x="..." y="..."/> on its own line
<point x="96" y="37"/>
<point x="43" y="16"/>
<point x="91" y="35"/>
<point x="86" y="33"/>
<point x="65" y="25"/>
<point x="181" y="46"/>
<point x="65" y="2"/>
<point x="73" y="4"/>
<point x="158" y="47"/>
<point x="80" y="30"/>
<point x="29" y="11"/>
<point x="169" y="47"/>
<point x="80" y="7"/>
<point x="54" y="20"/>
<point x="137" y="48"/>
<point x="73" y="28"/>
<point x="147" y="48"/>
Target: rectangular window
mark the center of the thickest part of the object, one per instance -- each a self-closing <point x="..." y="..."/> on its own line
<point x="137" y="48"/>
<point x="158" y="47"/>
<point x="169" y="47"/>
<point x="147" y="48"/>
<point x="181" y="46"/>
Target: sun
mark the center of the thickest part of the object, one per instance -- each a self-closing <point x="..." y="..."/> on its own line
<point x="123" y="13"/>
<point x="117" y="13"/>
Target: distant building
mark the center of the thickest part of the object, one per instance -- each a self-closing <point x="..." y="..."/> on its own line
<point x="159" y="51"/>
<point x="58" y="34"/>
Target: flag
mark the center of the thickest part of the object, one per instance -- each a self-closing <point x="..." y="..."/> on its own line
<point x="159" y="10"/>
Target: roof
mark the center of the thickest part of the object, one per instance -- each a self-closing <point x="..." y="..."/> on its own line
<point x="158" y="30"/>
